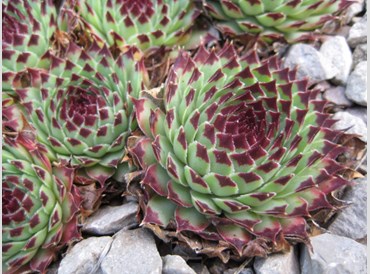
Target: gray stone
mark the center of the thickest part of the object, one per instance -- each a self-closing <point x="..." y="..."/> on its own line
<point x="85" y="256"/>
<point x="333" y="254"/>
<point x="132" y="251"/>
<point x="351" y="222"/>
<point x="358" y="32"/>
<point x="110" y="219"/>
<point x="359" y="112"/>
<point x="310" y="63"/>
<point x="174" y="264"/>
<point x="236" y="270"/>
<point x="355" y="124"/>
<point x="279" y="263"/>
<point x="332" y="48"/>
<point x="356" y="89"/>
<point x="336" y="95"/>
<point x="359" y="54"/>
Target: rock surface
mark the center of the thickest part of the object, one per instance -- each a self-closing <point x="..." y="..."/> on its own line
<point x="356" y="89"/>
<point x="110" y="219"/>
<point x="332" y="48"/>
<point x="358" y="32"/>
<point x="359" y="54"/>
<point x="333" y="254"/>
<point x="355" y="124"/>
<point x="351" y="222"/>
<point x="280" y="263"/>
<point x="310" y="63"/>
<point x="174" y="264"/>
<point x="359" y="112"/>
<point x="337" y="96"/>
<point x="132" y="251"/>
<point x="85" y="256"/>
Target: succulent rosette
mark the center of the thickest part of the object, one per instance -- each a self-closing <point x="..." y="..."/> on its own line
<point x="142" y="23"/>
<point x="81" y="108"/>
<point x="240" y="152"/>
<point x="293" y="20"/>
<point x="39" y="206"/>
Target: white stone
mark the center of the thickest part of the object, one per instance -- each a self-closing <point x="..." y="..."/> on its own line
<point x="337" y="52"/>
<point x="358" y="33"/>
<point x="110" y="219"/>
<point x="351" y="222"/>
<point x="359" y="112"/>
<point x="85" y="256"/>
<point x="359" y="54"/>
<point x="337" y="96"/>
<point x="356" y="89"/>
<point x="174" y="264"/>
<point x="280" y="263"/>
<point x="333" y="254"/>
<point x="351" y="124"/>
<point x="310" y="63"/>
<point x="132" y="251"/>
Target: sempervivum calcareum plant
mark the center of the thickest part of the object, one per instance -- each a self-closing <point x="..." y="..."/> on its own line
<point x="39" y="206"/>
<point x="80" y="107"/>
<point x="270" y="20"/>
<point x="142" y="23"/>
<point x="241" y="152"/>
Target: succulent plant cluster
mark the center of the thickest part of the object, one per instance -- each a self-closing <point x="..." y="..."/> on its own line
<point x="233" y="149"/>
